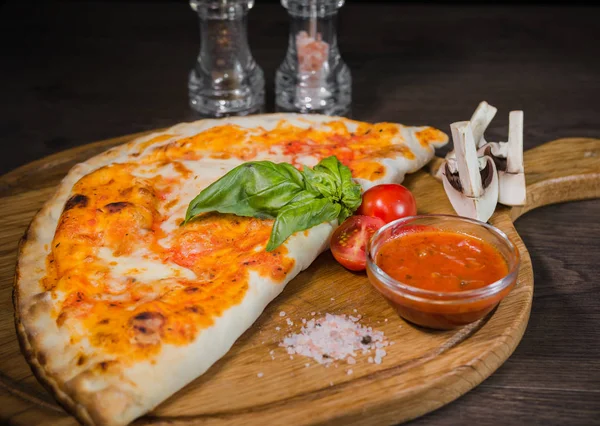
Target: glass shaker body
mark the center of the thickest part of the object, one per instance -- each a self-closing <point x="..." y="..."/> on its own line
<point x="313" y="78"/>
<point x="225" y="79"/>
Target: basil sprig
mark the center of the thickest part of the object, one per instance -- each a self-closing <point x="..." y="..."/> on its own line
<point x="297" y="200"/>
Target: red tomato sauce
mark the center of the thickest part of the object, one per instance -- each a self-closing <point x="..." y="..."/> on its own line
<point x="441" y="261"/>
<point x="447" y="263"/>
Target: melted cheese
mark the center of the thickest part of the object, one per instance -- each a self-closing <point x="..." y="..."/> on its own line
<point x="350" y="141"/>
<point x="142" y="266"/>
<point x="129" y="278"/>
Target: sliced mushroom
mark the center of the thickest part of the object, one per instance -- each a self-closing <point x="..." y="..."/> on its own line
<point x="508" y="157"/>
<point x="480" y="120"/>
<point x="471" y="182"/>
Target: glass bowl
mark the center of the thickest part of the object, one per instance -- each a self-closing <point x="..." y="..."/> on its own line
<point x="442" y="310"/>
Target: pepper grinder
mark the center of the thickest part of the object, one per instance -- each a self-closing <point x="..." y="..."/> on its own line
<point x="313" y="78"/>
<point x="225" y="80"/>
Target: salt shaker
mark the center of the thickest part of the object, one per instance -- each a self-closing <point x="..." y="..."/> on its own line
<point x="225" y="80"/>
<point x="313" y="78"/>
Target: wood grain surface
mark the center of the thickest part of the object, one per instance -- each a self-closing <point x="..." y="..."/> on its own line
<point x="423" y="371"/>
<point x="76" y="72"/>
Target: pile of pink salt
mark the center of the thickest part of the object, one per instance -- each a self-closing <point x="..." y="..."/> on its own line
<point x="336" y="337"/>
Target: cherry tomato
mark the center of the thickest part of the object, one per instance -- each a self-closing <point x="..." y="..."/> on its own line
<point x="389" y="202"/>
<point x="349" y="241"/>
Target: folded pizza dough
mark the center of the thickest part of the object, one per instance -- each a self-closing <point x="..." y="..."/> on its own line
<point x="118" y="306"/>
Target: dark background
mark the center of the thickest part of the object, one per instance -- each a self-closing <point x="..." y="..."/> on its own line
<point x="80" y="71"/>
<point x="76" y="72"/>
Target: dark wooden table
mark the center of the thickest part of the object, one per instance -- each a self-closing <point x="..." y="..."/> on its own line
<point x="77" y="72"/>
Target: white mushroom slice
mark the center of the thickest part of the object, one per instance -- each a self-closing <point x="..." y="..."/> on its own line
<point x="450" y="158"/>
<point x="508" y="157"/>
<point x="480" y="120"/>
<point x="471" y="183"/>
<point x="466" y="159"/>
<point x="515" y="143"/>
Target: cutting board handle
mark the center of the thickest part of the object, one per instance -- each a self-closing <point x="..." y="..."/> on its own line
<point x="560" y="171"/>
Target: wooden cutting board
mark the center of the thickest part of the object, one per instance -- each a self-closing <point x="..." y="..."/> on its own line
<point x="422" y="371"/>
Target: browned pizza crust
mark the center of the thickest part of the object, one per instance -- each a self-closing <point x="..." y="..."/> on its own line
<point x="92" y="408"/>
<point x="36" y="360"/>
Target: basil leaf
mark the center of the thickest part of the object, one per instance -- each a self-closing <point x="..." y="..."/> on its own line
<point x="299" y="217"/>
<point x="329" y="165"/>
<point x="296" y="200"/>
<point x="351" y="197"/>
<point x="334" y="180"/>
<point x="322" y="183"/>
<point x="257" y="189"/>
